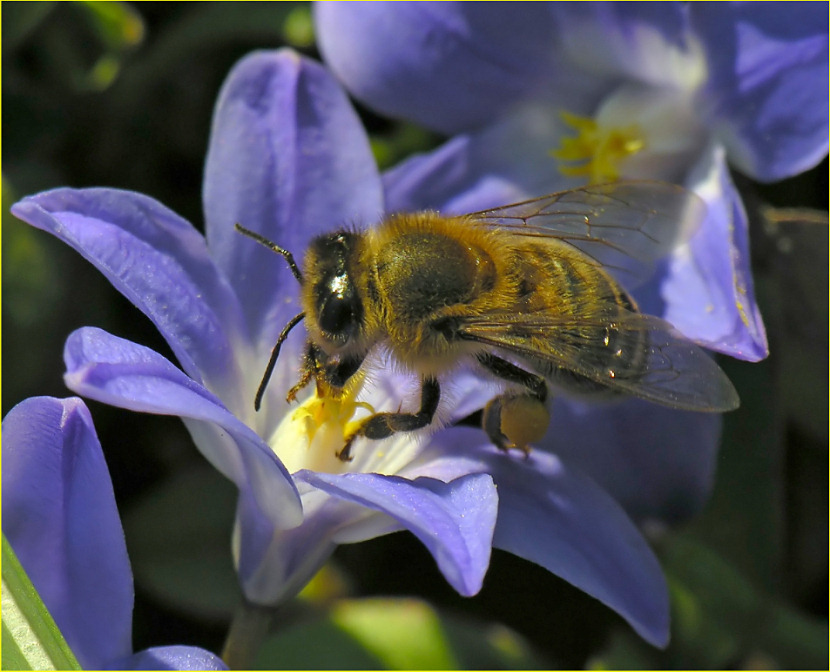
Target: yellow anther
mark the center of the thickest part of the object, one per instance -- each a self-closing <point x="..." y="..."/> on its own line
<point x="596" y="152"/>
<point x="333" y="412"/>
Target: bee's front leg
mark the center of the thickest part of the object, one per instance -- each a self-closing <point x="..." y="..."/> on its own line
<point x="330" y="373"/>
<point x="308" y="369"/>
<point x="384" y="425"/>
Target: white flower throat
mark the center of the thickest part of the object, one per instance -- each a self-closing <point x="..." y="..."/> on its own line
<point x="310" y="435"/>
<point x="636" y="132"/>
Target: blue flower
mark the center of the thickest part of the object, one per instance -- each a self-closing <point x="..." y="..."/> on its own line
<point x="543" y="96"/>
<point x="289" y="159"/>
<point x="60" y="517"/>
<point x="546" y="96"/>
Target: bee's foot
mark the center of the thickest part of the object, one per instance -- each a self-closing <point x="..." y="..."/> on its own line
<point x="505" y="446"/>
<point x="294" y="391"/>
<point x="345" y="454"/>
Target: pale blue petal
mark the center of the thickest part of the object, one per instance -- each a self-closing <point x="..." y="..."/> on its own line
<point x="708" y="291"/>
<point x="558" y="518"/>
<point x="611" y="42"/>
<point x="448" y="66"/>
<point x="170" y="658"/>
<point x="59" y="515"/>
<point x="289" y="159"/>
<point x="127" y="375"/>
<point x="554" y="515"/>
<point x="454" y="520"/>
<point x="658" y="463"/>
<point x="160" y="263"/>
<point x="766" y="95"/>
<point x="506" y="162"/>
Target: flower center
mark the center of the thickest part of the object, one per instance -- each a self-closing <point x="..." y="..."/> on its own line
<point x="637" y="132"/>
<point x="597" y="151"/>
<point x="311" y="436"/>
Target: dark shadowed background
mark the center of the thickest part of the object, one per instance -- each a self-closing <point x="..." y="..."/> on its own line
<point x="109" y="94"/>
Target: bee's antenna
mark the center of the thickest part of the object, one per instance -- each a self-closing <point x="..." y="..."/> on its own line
<point x="274" y="354"/>
<point x="274" y="248"/>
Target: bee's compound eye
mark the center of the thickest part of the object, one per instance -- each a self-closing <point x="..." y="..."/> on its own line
<point x="337" y="315"/>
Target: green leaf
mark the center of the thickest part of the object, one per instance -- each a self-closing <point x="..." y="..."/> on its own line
<point x="31" y="640"/>
<point x="298" y="27"/>
<point x="118" y="25"/>
<point x="710" y="604"/>
<point x="402" y="634"/>
<point x="735" y="621"/>
<point x="720" y="620"/>
<point x="742" y="520"/>
<point x="393" y="634"/>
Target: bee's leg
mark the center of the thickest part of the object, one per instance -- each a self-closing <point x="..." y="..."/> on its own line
<point x="514" y="420"/>
<point x="336" y="372"/>
<point x="331" y="373"/>
<point x="384" y="425"/>
<point x="309" y="369"/>
<point x="501" y="368"/>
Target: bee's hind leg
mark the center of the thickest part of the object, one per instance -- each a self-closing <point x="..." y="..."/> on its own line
<point x="384" y="425"/>
<point x="515" y="419"/>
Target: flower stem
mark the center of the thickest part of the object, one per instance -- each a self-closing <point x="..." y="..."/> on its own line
<point x="250" y="626"/>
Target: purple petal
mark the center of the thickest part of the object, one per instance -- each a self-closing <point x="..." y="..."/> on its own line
<point x="467" y="391"/>
<point x="296" y="555"/>
<point x="505" y="162"/>
<point x="127" y="375"/>
<point x="159" y="262"/>
<point x="556" y="517"/>
<point x="767" y="90"/>
<point x="447" y="66"/>
<point x="658" y="463"/>
<point x="288" y="159"/>
<point x="609" y="41"/>
<point x="454" y="520"/>
<point x="60" y="517"/>
<point x="171" y="658"/>
<point x="709" y="293"/>
<point x="553" y="515"/>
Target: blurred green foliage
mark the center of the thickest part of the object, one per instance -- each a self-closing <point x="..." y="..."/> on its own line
<point x="121" y="95"/>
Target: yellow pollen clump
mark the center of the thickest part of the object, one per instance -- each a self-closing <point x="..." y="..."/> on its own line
<point x="331" y="412"/>
<point x="596" y="152"/>
<point x="313" y="435"/>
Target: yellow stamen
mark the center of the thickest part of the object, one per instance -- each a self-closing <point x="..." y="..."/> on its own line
<point x="332" y="410"/>
<point x="597" y="152"/>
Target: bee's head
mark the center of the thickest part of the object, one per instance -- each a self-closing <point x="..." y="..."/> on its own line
<point x="333" y="307"/>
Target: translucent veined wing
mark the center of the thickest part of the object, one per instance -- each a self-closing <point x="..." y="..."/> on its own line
<point x="669" y="370"/>
<point x="624" y="226"/>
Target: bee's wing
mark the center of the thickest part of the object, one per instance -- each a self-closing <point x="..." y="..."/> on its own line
<point x="625" y="226"/>
<point x="675" y="372"/>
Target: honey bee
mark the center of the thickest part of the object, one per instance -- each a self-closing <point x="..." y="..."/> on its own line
<point x="533" y="293"/>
